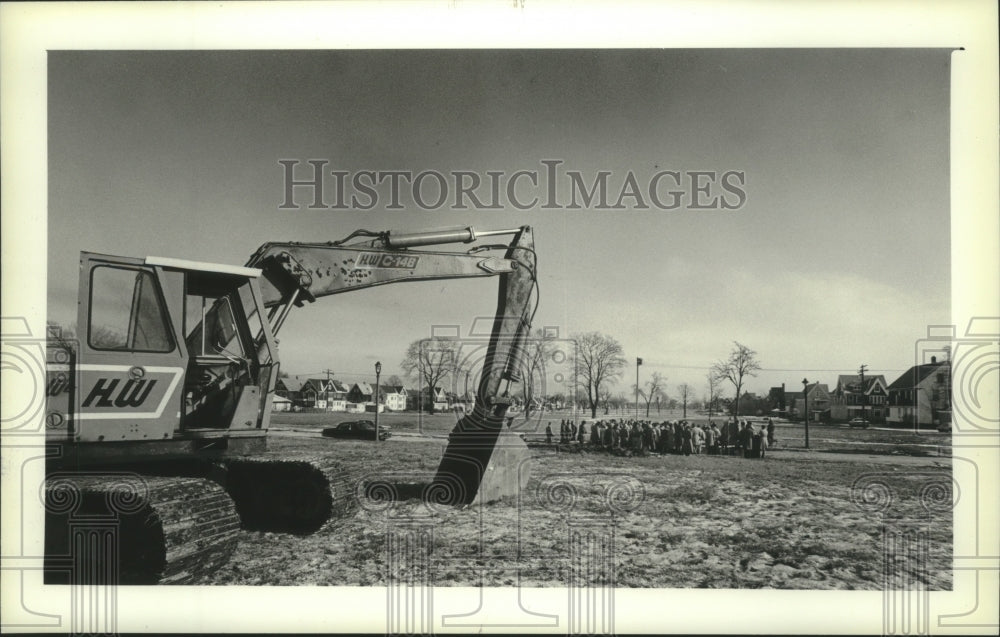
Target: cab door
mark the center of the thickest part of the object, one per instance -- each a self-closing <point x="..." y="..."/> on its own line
<point x="131" y="362"/>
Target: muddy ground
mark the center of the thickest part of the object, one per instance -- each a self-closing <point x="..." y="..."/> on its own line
<point x="788" y="521"/>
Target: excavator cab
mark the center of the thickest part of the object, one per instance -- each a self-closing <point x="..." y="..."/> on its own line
<point x="229" y="361"/>
<point x="162" y="403"/>
<point x="169" y="350"/>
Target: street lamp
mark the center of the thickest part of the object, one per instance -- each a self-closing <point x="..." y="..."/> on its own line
<point x="805" y="397"/>
<point x="378" y="372"/>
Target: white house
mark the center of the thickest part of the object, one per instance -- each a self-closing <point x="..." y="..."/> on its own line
<point x="922" y="395"/>
<point x="280" y="403"/>
<point x="393" y="397"/>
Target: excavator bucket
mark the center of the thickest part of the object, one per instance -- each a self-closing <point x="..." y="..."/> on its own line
<point x="485" y="461"/>
<point x="479" y="467"/>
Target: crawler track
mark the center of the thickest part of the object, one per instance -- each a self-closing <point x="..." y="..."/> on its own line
<point x="131" y="529"/>
<point x="297" y="495"/>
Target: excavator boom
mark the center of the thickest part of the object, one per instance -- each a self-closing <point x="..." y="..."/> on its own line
<point x="483" y="460"/>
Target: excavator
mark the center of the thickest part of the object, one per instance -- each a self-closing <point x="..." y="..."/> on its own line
<point x="157" y="414"/>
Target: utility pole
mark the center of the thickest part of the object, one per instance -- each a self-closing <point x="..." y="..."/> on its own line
<point x="638" y="361"/>
<point x="861" y="371"/>
<point x="805" y="397"/>
<point x="378" y="372"/>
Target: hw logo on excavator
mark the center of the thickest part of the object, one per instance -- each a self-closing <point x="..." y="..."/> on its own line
<point x="373" y="260"/>
<point x="132" y="394"/>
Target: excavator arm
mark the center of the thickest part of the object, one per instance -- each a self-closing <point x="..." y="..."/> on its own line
<point x="484" y="460"/>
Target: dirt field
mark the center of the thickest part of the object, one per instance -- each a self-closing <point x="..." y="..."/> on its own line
<point x="787" y="521"/>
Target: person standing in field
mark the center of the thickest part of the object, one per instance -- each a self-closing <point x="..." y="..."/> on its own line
<point x="747" y="439"/>
<point x="548" y="434"/>
<point x="686" y="443"/>
<point x="770" y="433"/>
<point x="712" y="439"/>
<point x="636" y="440"/>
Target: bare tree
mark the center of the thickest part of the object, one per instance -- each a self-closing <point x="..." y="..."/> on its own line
<point x="685" y="391"/>
<point x="605" y="402"/>
<point x="431" y="360"/>
<point x="100" y="335"/>
<point x="599" y="361"/>
<point x="742" y="362"/>
<point x="537" y="352"/>
<point x="652" y="390"/>
<point x="713" y="392"/>
<point x="63" y="336"/>
<point x="393" y="381"/>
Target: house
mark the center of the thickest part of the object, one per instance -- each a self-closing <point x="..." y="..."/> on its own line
<point x="360" y="394"/>
<point x="336" y="392"/>
<point x="393" y="397"/>
<point x="750" y="404"/>
<point x="290" y="388"/>
<point x="817" y="396"/>
<point x="436" y="396"/>
<point x="313" y="394"/>
<point x="361" y="398"/>
<point x="921" y="396"/>
<point x="853" y="398"/>
<point x="280" y="403"/>
<point x="412" y="399"/>
<point x="776" y="399"/>
<point x="466" y="402"/>
<point x="323" y="393"/>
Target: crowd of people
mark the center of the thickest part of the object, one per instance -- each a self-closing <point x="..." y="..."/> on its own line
<point x="641" y="437"/>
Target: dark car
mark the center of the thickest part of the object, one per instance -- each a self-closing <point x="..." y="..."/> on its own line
<point x="858" y="422"/>
<point x="357" y="429"/>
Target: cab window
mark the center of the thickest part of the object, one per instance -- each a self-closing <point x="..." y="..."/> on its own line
<point x="212" y="316"/>
<point x="126" y="311"/>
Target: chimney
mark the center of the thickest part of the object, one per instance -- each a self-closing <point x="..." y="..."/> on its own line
<point x="933" y="360"/>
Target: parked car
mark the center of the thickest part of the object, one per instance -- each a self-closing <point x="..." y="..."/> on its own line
<point x="858" y="422"/>
<point x="357" y="429"/>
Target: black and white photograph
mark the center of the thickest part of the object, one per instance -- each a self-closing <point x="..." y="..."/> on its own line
<point x="481" y="336"/>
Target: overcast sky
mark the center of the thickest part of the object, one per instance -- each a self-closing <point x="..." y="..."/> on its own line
<point x="839" y="255"/>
